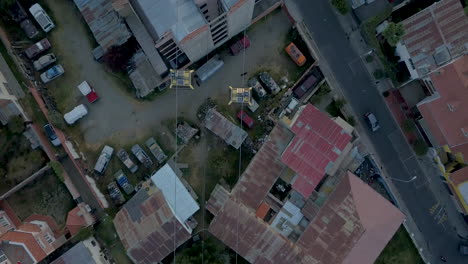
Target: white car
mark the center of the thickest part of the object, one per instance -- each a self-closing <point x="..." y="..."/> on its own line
<point x="75" y="114"/>
<point x="372" y="121"/>
<point x="41" y="17"/>
<point x="44" y="61"/>
<point x="52" y="73"/>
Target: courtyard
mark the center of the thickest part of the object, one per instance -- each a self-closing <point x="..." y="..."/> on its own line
<point x="118" y="117"/>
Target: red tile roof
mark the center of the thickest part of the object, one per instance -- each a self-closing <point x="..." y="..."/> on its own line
<point x="44" y="218"/>
<point x="75" y="222"/>
<point x="443" y="23"/>
<point x="9" y="211"/>
<point x="353" y="226"/>
<point x="446" y="116"/>
<point x="28" y="240"/>
<point x="30" y="228"/>
<point x="262" y="210"/>
<point x="317" y="145"/>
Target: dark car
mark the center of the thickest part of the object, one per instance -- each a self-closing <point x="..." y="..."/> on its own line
<point x="51" y="135"/>
<point x="29" y="28"/>
<point x="463" y="249"/>
<point x="372" y="121"/>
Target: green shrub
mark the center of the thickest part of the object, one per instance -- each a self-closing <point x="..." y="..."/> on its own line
<point x="16" y="125"/>
<point x="341" y="5"/>
<point x="378" y="74"/>
<point x="369" y="58"/>
<point x="351" y="120"/>
<point x="408" y="125"/>
<point x="57" y="168"/>
<point x="393" y="33"/>
<point x="56" y="119"/>
<point x="386" y="94"/>
<point x="420" y="147"/>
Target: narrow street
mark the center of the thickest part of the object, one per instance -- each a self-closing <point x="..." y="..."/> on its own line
<point x="440" y="236"/>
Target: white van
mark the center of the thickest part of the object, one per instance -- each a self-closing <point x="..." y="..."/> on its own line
<point x="75" y="114"/>
<point x="41" y="17"/>
<point x="103" y="160"/>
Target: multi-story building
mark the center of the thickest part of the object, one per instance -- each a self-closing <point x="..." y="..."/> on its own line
<point x="27" y="242"/>
<point x="10" y="93"/>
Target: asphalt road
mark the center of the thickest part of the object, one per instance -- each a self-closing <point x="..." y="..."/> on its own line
<point x="389" y="143"/>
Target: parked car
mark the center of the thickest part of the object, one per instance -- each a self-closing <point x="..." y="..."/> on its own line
<point x="372" y="121"/>
<point x="125" y="159"/>
<point x="37" y="48"/>
<point x="269" y="83"/>
<point x="87" y="91"/>
<point x="52" y="73"/>
<point x="75" y="114"/>
<point x="123" y="182"/>
<point x="44" y="61"/>
<point x="240" y="45"/>
<point x="142" y="156"/>
<point x="29" y="29"/>
<point x="463" y="249"/>
<point x="49" y="130"/>
<point x="158" y="153"/>
<point x="115" y="194"/>
<point x="295" y="54"/>
<point x="41" y="17"/>
<point x="257" y="87"/>
<point x="103" y="160"/>
<point x="245" y="118"/>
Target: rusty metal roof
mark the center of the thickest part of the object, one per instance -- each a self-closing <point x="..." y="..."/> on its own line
<point x="225" y="129"/>
<point x="354" y="219"/>
<point x="146" y="225"/>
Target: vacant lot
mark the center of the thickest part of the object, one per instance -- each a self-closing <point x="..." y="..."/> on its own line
<point x="400" y="250"/>
<point x="46" y="196"/>
<point x="17" y="160"/>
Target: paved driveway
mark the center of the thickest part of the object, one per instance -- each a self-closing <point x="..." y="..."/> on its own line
<point x="389" y="142"/>
<point x="118" y="116"/>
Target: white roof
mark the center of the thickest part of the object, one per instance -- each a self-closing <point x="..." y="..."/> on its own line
<point x="179" y="199"/>
<point x="288" y="217"/>
<point x="463" y="188"/>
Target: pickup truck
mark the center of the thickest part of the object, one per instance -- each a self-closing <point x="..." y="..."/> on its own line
<point x="158" y="153"/>
<point x="37" y="48"/>
<point x="87" y="91"/>
<point x="115" y="193"/>
<point x="122" y="180"/>
<point x="240" y="45"/>
<point x="44" y="61"/>
<point x="125" y="159"/>
<point x="142" y="156"/>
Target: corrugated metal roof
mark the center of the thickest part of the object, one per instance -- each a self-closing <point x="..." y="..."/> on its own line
<point x="146" y="226"/>
<point x="105" y="24"/>
<point x="181" y="17"/>
<point x="78" y="254"/>
<point x="440" y="27"/>
<point x="175" y="193"/>
<point x="317" y="145"/>
<point x="225" y="129"/>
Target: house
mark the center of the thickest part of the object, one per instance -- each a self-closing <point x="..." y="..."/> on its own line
<point x="225" y="129"/>
<point x="444" y="114"/>
<point x="87" y="251"/>
<point x="75" y="221"/>
<point x="158" y="218"/>
<point x="433" y="37"/>
<point x="10" y="93"/>
<point x="29" y="241"/>
<point x="297" y="195"/>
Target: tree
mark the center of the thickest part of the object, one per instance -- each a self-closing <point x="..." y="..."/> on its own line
<point x="420" y="147"/>
<point x="341" y="5"/>
<point x="16" y="125"/>
<point x="56" y="119"/>
<point x="4" y="4"/>
<point x="211" y="252"/>
<point x="117" y="58"/>
<point x="408" y="126"/>
<point x="393" y="33"/>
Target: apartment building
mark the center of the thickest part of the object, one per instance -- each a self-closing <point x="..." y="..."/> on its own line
<point x="10" y="93"/>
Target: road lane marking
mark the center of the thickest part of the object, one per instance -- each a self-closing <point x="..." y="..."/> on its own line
<point x="433" y="208"/>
